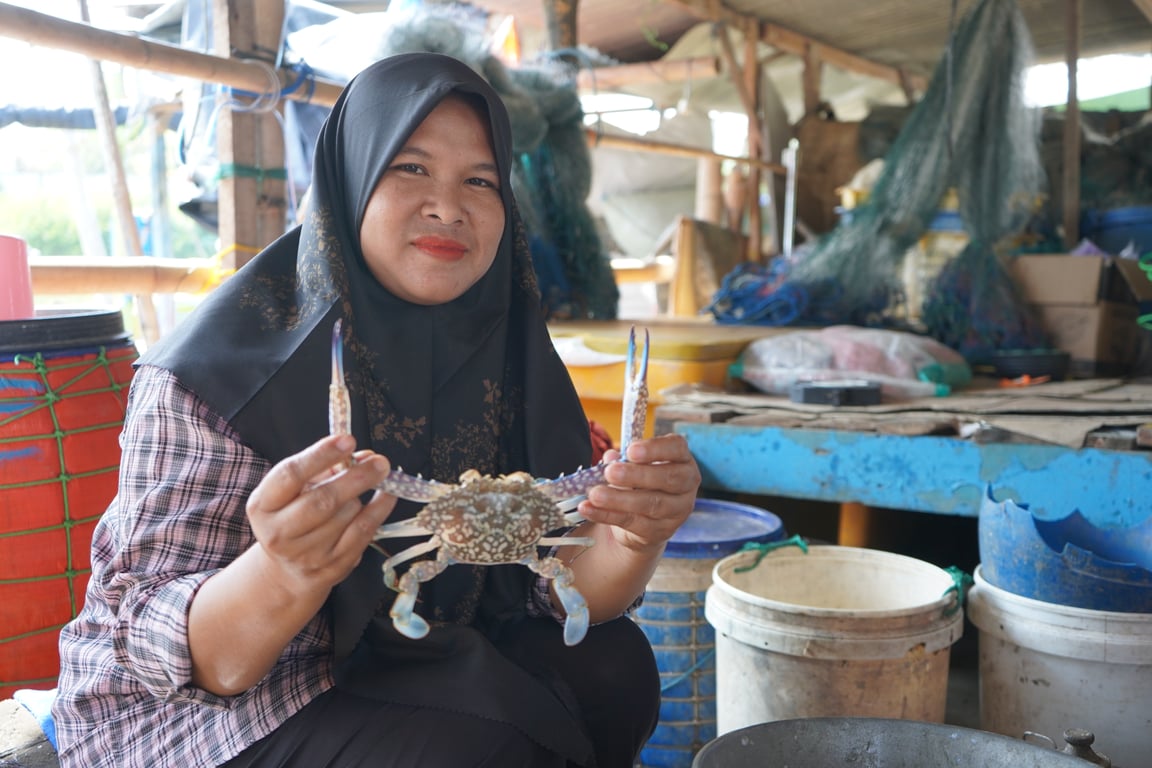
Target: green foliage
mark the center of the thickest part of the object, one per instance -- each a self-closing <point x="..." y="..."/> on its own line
<point x="44" y="223"/>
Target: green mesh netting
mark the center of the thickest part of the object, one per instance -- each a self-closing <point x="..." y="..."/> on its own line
<point x="971" y="131"/>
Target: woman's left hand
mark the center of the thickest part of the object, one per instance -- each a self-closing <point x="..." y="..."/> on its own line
<point x="648" y="496"/>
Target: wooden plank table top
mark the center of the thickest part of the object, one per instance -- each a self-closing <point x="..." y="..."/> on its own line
<point x="1037" y="445"/>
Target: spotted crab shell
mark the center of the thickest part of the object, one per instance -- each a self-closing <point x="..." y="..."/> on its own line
<point x="490" y="520"/>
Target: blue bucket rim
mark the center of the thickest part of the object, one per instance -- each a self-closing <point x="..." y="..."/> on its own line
<point x="755" y="524"/>
<point x="1131" y="214"/>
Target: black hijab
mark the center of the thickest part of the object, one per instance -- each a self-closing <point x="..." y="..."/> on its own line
<point x="474" y="383"/>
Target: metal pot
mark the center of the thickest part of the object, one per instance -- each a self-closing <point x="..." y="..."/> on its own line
<point x="860" y="742"/>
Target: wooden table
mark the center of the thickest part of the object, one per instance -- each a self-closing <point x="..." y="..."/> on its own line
<point x="1052" y="446"/>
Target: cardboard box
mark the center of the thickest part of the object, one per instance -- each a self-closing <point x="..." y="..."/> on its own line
<point x="1089" y="305"/>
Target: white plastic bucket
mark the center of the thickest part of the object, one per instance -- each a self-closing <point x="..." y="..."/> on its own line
<point x="839" y="631"/>
<point x="1046" y="667"/>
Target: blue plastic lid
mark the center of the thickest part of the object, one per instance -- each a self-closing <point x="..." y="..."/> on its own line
<point x="718" y="528"/>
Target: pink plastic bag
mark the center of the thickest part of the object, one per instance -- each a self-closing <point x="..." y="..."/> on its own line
<point x="904" y="364"/>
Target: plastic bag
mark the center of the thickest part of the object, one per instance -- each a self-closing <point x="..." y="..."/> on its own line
<point x="904" y="364"/>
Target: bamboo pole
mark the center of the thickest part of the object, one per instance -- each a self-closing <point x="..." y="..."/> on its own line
<point x="1071" y="181"/>
<point x="756" y="146"/>
<point x="51" y="32"/>
<point x="70" y="275"/>
<point x="646" y="73"/>
<point x="122" y="201"/>
<point x="679" y="150"/>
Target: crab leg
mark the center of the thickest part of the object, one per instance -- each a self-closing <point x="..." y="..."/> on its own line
<point x="411" y="553"/>
<point x="566" y="541"/>
<point x="634" y="408"/>
<point x="576" y="622"/>
<point x="404" y="618"/>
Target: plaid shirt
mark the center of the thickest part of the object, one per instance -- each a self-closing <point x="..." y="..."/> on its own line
<point x="125" y="695"/>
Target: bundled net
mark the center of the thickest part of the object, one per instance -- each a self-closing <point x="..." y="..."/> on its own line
<point x="971" y="131"/>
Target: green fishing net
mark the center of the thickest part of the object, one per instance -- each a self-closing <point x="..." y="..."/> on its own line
<point x="972" y="132"/>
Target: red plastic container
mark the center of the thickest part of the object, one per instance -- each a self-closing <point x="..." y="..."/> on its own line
<point x="63" y="388"/>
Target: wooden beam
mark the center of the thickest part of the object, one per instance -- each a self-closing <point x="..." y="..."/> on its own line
<point x="67" y="275"/>
<point x="644" y="145"/>
<point x="51" y="32"/>
<point x="801" y="45"/>
<point x="797" y="44"/>
<point x="647" y="73"/>
<point x="1145" y="7"/>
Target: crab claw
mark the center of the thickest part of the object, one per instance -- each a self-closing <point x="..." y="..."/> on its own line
<point x="403" y="613"/>
<point x="634" y="408"/>
<point x="576" y="623"/>
<point x="576" y="608"/>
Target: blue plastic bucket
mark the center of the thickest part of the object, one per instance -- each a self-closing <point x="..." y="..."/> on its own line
<point x="672" y="617"/>
<point x="1113" y="229"/>
<point x="1068" y="561"/>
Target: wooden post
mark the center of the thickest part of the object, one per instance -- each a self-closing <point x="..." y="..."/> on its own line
<point x="1072" y="127"/>
<point x="855" y="529"/>
<point x="755" y="141"/>
<point x="746" y="81"/>
<point x="251" y="197"/>
<point x="813" y="69"/>
<point x="709" y="203"/>
<point x="561" y="17"/>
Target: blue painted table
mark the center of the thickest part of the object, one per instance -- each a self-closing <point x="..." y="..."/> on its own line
<point x="944" y="475"/>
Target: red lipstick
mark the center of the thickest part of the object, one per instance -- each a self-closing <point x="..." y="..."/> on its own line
<point x="440" y="247"/>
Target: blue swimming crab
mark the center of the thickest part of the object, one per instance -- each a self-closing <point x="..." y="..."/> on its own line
<point x="486" y="520"/>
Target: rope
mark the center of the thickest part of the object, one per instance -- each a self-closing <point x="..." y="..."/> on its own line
<point x="305" y="76"/>
<point x="261" y="102"/>
<point x="237" y="170"/>
<point x="758" y="295"/>
<point x="665" y="687"/>
<point x="960" y="583"/>
<point x="765" y="548"/>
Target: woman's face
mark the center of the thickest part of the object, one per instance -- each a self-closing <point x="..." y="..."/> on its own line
<point x="435" y="219"/>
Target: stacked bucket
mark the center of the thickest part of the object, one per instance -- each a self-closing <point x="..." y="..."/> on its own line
<point x="672" y="617"/>
<point x="1064" y="610"/>
<point x="751" y="627"/>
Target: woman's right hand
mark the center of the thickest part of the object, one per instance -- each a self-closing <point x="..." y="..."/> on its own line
<point x="307" y="515"/>
<point x="311" y="530"/>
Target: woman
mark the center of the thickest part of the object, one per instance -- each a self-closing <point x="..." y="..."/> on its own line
<point x="236" y="613"/>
